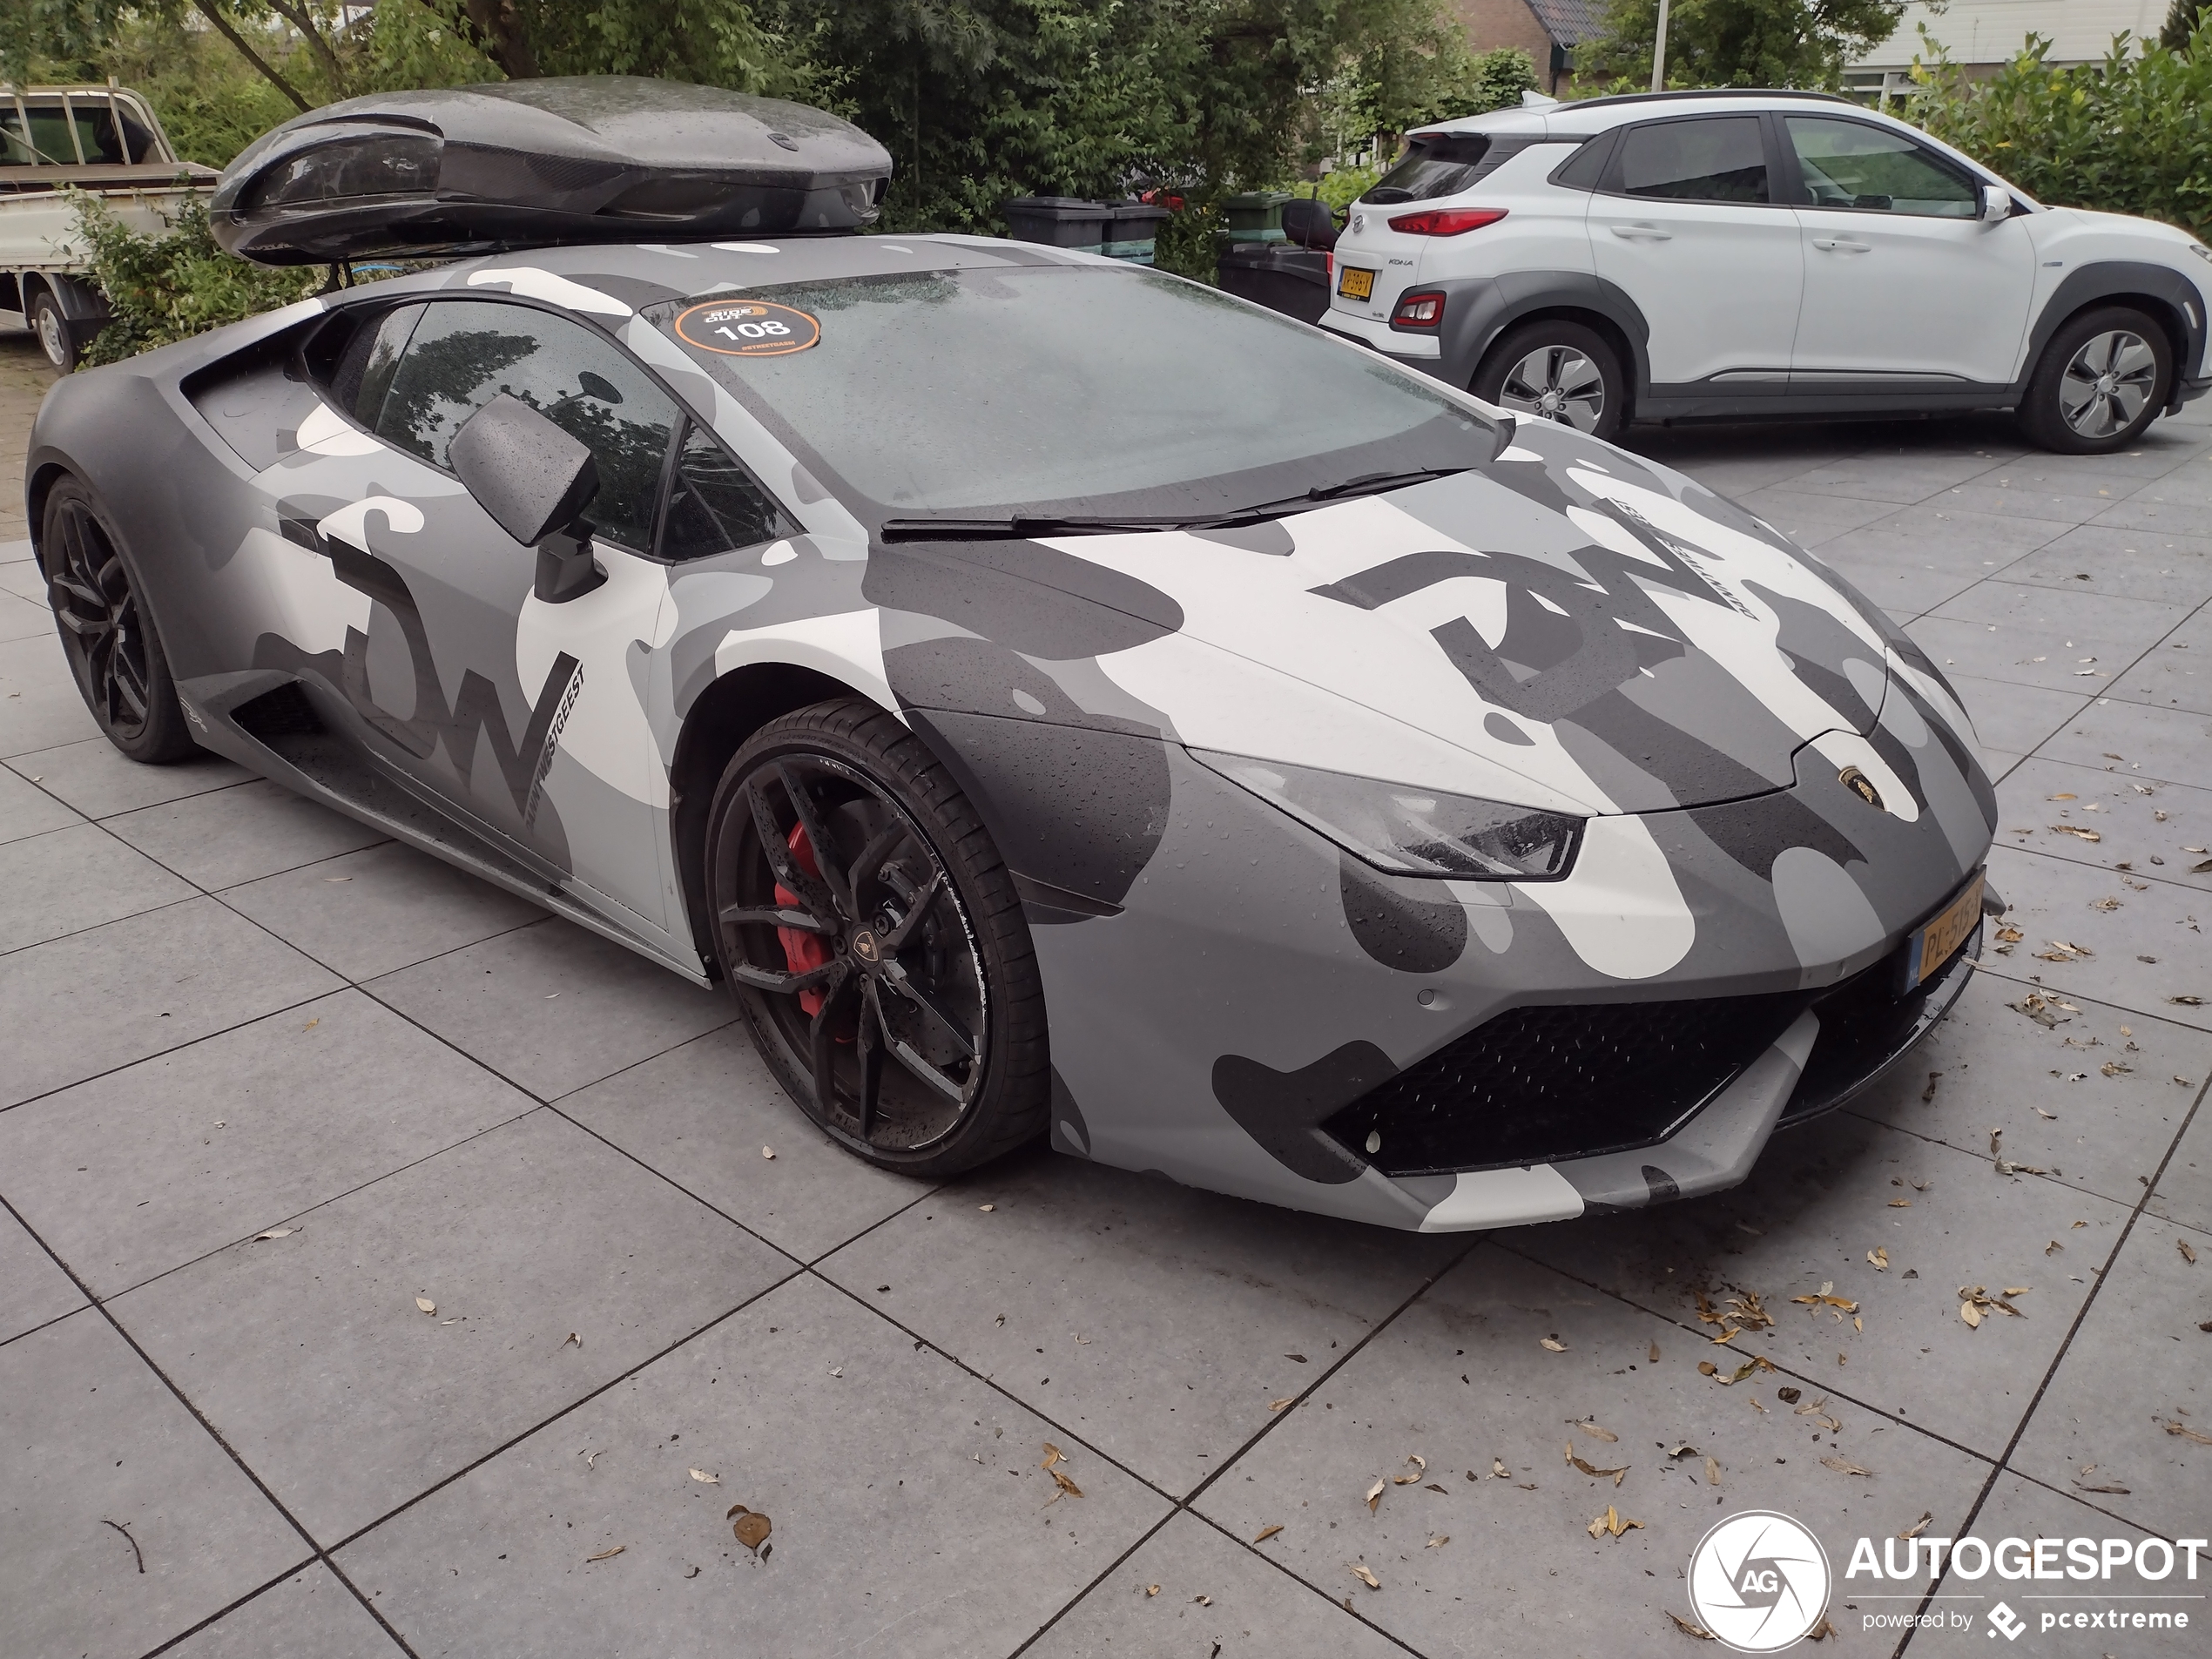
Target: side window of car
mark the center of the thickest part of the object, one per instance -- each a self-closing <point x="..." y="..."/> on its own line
<point x="1848" y="164"/>
<point x="365" y="367"/>
<point x="1713" y="158"/>
<point x="461" y="353"/>
<point x="714" y="504"/>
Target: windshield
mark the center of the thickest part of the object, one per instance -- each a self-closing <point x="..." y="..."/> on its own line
<point x="1062" y="390"/>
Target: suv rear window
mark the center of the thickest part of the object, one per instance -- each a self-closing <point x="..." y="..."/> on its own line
<point x="1441" y="164"/>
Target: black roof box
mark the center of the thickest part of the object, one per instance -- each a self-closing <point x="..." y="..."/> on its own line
<point x="537" y="163"/>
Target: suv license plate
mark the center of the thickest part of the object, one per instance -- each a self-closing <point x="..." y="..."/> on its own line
<point x="1356" y="284"/>
<point x="1937" y="940"/>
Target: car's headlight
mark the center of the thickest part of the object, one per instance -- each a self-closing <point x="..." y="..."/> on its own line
<point x="1408" y="830"/>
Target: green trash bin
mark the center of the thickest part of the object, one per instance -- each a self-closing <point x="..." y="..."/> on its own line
<point x="1256" y="215"/>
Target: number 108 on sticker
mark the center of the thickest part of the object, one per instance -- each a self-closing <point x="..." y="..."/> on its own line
<point x="747" y="327"/>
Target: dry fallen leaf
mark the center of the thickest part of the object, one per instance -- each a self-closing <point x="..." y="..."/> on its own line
<point x="1708" y="1368"/>
<point x="1552" y="1343"/>
<point x="1654" y="1354"/>
<point x="1689" y="1630"/>
<point x="1712" y="1472"/>
<point x="1373" y="1499"/>
<point x="575" y="1338"/>
<point x="1788" y="1396"/>
<point x="1366" y="1577"/>
<point x="426" y="1305"/>
<point x="1821" y="1631"/>
<point x="1920" y="1526"/>
<point x="1880" y="1257"/>
<point x="1900" y="1204"/>
<point x="1971" y="1314"/>
<point x="2181" y="1244"/>
<point x="1438" y="1542"/>
<point x="1611" y="1523"/>
<point x="1278" y="1405"/>
<point x="2188" y="1433"/>
<point x="607" y="1555"/>
<point x="1498" y="1469"/>
<point x="1595" y="1473"/>
<point x="1151" y="1589"/>
<point x="1843" y="1466"/>
<point x="1420" y="1468"/>
<point x="1266" y="1533"/>
<point x="704" y="1479"/>
<point x="751" y="1528"/>
<point x="1595" y="1432"/>
<point x="987" y="1208"/>
<point x="276" y="1233"/>
<point x="768" y="1151"/>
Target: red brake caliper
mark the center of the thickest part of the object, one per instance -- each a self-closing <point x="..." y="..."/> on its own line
<point x="803" y="952"/>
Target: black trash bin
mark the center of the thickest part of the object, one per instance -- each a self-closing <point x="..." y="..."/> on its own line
<point x="1119" y="230"/>
<point x="1279" y="275"/>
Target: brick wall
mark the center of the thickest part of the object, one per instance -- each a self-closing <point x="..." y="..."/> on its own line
<point x="1492" y="24"/>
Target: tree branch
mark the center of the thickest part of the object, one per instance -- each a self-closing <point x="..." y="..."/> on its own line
<point x="222" y="26"/>
<point x="300" y="18"/>
<point x="498" y="34"/>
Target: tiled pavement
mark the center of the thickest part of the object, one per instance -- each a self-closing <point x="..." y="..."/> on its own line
<point x="314" y="1077"/>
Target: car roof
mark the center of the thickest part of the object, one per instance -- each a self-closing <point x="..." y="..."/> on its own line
<point x="1567" y="121"/>
<point x="639" y="274"/>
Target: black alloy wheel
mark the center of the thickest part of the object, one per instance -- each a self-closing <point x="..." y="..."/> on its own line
<point x="875" y="942"/>
<point x="112" y="646"/>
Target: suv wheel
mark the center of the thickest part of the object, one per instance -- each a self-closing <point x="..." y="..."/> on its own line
<point x="1552" y="369"/>
<point x="2103" y="378"/>
<point x="875" y="943"/>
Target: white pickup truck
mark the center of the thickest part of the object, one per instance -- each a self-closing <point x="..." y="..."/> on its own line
<point x="103" y="139"/>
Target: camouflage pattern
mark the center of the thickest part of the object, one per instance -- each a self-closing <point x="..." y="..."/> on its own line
<point x="1570" y="628"/>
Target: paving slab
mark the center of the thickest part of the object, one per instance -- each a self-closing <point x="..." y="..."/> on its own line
<point x="1989" y="1068"/>
<point x="228" y="836"/>
<point x="702" y="1114"/>
<point x="553" y="1007"/>
<point x="2014" y="719"/>
<point x="1190" y="1589"/>
<point x="1904" y="570"/>
<point x="26" y="809"/>
<point x="33" y="1291"/>
<point x="1811" y="520"/>
<point x="2145" y="943"/>
<point x="381" y="909"/>
<point x="909" y="1513"/>
<point x="2153" y="742"/>
<point x="77" y="1006"/>
<point x="157" y="1164"/>
<point x="39" y="704"/>
<point x="99" y="781"/>
<point x="2137" y="1365"/>
<point x="311" y="1357"/>
<point x="1817" y="1204"/>
<point x="2020" y="1508"/>
<point x="23" y="619"/>
<point x="2030" y="636"/>
<point x="310" y="1616"/>
<point x="1155" y="1321"/>
<point x="101" y="1457"/>
<point x="2141" y="830"/>
<point x="1463" y="1380"/>
<point x="2173" y="570"/>
<point x="1957" y="534"/>
<point x="2177" y="673"/>
<point x="20" y="578"/>
<point x="2184" y="1193"/>
<point x="2029" y="490"/>
<point x="1889" y="477"/>
<point x="69" y="879"/>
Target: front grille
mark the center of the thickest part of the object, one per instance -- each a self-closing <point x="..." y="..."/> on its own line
<point x="1536" y="1084"/>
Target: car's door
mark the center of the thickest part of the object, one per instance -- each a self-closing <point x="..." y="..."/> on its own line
<point x="1903" y="278"/>
<point x="528" y="718"/>
<point x="1685" y="221"/>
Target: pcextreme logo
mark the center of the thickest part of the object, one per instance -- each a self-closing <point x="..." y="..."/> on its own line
<point x="1760" y="1582"/>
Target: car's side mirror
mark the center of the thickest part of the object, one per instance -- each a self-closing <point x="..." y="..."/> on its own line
<point x="1996" y="204"/>
<point x="1309" y="223"/>
<point x="534" y="480"/>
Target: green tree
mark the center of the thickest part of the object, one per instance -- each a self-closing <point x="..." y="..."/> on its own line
<point x="2182" y="21"/>
<point x="1739" y="43"/>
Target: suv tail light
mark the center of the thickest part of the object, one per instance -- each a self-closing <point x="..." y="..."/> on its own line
<point x="1421" y="310"/>
<point x="1446" y="221"/>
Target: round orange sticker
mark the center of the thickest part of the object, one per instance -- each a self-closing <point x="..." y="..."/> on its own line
<point x="746" y="327"/>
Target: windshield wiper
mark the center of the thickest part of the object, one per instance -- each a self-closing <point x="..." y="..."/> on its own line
<point x="1017" y="527"/>
<point x="1367" y="483"/>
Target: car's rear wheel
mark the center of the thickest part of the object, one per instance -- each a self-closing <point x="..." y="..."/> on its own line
<point x="1553" y="369"/>
<point x="56" y="334"/>
<point x="2104" y="377"/>
<point x="875" y="944"/>
<point x="109" y="636"/>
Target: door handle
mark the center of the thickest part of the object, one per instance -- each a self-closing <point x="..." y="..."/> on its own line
<point x="1836" y="244"/>
<point x="1650" y="233"/>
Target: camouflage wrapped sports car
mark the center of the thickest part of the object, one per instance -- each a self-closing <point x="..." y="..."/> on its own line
<point x="1053" y="696"/>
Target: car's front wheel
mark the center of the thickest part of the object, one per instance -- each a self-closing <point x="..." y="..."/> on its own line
<point x="875" y="943"/>
<point x="2104" y="377"/>
<point x="1553" y="369"/>
<point x="107" y="633"/>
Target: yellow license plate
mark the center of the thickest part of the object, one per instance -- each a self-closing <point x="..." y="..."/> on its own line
<point x="1937" y="940"/>
<point x="1356" y="284"/>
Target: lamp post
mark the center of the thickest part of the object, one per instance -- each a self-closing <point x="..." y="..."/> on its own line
<point x="1659" y="53"/>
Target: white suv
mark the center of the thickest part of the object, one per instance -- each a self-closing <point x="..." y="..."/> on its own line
<point x="1701" y="254"/>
